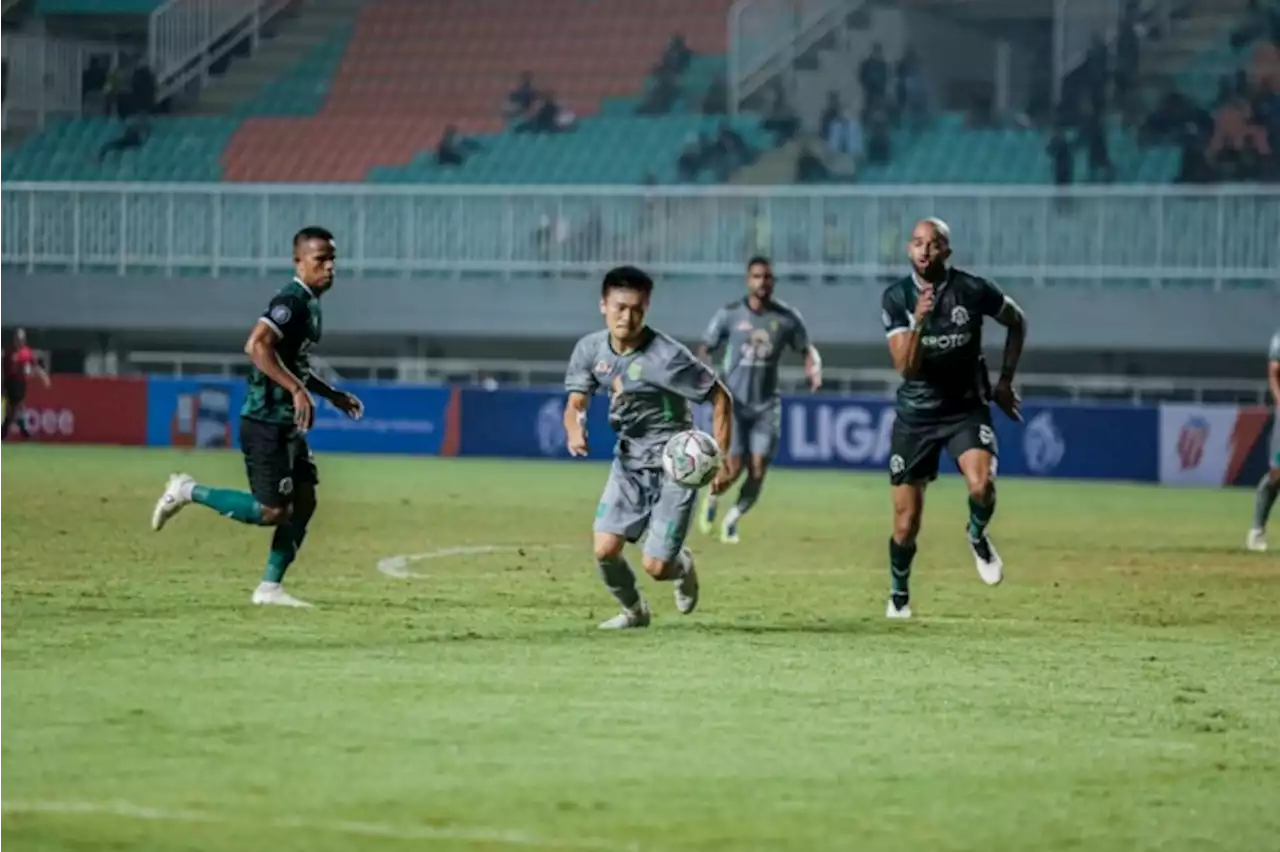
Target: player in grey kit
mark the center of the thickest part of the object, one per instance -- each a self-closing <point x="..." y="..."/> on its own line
<point x="1269" y="487"/>
<point x="651" y="380"/>
<point x="754" y="332"/>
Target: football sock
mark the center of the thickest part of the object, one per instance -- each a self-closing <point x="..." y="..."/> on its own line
<point x="620" y="580"/>
<point x="237" y="505"/>
<point x="980" y="514"/>
<point x="1263" y="501"/>
<point x="900" y="558"/>
<point x="748" y="494"/>
<point x="287" y="540"/>
<point x="710" y="505"/>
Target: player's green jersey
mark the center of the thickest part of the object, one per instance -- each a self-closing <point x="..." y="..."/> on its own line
<point x="953" y="375"/>
<point x="294" y="316"/>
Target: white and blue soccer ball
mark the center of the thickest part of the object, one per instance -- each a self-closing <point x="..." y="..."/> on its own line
<point x="691" y="458"/>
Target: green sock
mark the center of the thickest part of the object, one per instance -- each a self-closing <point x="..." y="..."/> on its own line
<point x="900" y="558"/>
<point x="237" y="505"/>
<point x="980" y="515"/>
<point x="284" y="549"/>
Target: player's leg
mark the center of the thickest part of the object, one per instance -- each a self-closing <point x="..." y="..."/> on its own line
<point x="735" y="460"/>
<point x="762" y="442"/>
<point x="620" y="517"/>
<point x="914" y="452"/>
<point x="267" y="463"/>
<point x="13" y="399"/>
<point x="287" y="539"/>
<point x="1268" y="490"/>
<point x="973" y="446"/>
<point x="665" y="556"/>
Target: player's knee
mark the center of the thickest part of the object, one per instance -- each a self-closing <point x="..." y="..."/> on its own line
<point x="734" y="465"/>
<point x="658" y="568"/>
<point x="274" y="516"/>
<point x="758" y="466"/>
<point x="608" y="547"/>
<point x="980" y="487"/>
<point x="906" y="523"/>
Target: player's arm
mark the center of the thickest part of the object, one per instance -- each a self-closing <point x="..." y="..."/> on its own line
<point x="812" y="359"/>
<point x="721" y="414"/>
<point x="39" y="371"/>
<point x="1006" y="312"/>
<point x="261" y="349"/>
<point x="580" y="383"/>
<point x="1273" y="371"/>
<point x="695" y="381"/>
<point x="903" y="331"/>
<point x="348" y="403"/>
<point x="714" y="337"/>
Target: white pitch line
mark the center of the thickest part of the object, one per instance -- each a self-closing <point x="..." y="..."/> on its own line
<point x="398" y="566"/>
<point x="127" y="810"/>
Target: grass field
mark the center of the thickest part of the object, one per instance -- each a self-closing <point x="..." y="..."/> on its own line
<point x="1120" y="691"/>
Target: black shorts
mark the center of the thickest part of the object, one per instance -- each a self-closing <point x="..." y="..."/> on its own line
<point x="277" y="461"/>
<point x="15" y="391"/>
<point x="916" y="448"/>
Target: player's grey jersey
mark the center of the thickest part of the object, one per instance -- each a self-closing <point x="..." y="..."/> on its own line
<point x="1275" y="348"/>
<point x="753" y="346"/>
<point x="649" y="389"/>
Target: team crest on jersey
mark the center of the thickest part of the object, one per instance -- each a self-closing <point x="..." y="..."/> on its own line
<point x="634" y="370"/>
<point x="602" y="366"/>
<point x="959" y="316"/>
<point x="986" y="435"/>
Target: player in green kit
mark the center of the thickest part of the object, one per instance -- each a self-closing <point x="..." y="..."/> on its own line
<point x="1269" y="487"/>
<point x="278" y="410"/>
<point x="933" y="319"/>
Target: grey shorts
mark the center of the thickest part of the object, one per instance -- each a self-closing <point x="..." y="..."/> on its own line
<point x="639" y="500"/>
<point x="756" y="432"/>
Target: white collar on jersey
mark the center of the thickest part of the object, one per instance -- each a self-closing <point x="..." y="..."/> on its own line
<point x="312" y="293"/>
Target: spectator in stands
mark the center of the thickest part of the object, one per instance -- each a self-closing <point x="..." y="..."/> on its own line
<point x="844" y="135"/>
<point x="913" y="91"/>
<point x="689" y="165"/>
<point x="730" y="152"/>
<point x="873" y="75"/>
<point x="1061" y="156"/>
<point x="716" y="100"/>
<point x="1174" y="116"/>
<point x="675" y="59"/>
<point x="520" y="100"/>
<point x="830" y="114"/>
<point x="661" y="96"/>
<point x="1235" y="134"/>
<point x="781" y="119"/>
<point x="1097" y="74"/>
<point x="1128" y="39"/>
<point x="810" y="168"/>
<point x="143" y="88"/>
<point x="137" y="130"/>
<point x="550" y="117"/>
<point x="1264" y="72"/>
<point x="879" y="146"/>
<point x="454" y="149"/>
<point x="1093" y="133"/>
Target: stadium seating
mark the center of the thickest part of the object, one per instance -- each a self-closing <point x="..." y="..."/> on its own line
<point x="96" y="7"/>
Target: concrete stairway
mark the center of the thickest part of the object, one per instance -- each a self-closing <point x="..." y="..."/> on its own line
<point x="296" y="33"/>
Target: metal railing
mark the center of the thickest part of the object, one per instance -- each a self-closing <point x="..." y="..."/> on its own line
<point x="45" y="76"/>
<point x="185" y="37"/>
<point x="1131" y="389"/>
<point x="766" y="36"/>
<point x="1129" y="235"/>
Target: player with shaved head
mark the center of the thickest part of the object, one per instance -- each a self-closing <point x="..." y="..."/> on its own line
<point x="933" y="319"/>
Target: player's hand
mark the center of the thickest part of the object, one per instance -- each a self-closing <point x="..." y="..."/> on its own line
<point x="1008" y="400"/>
<point x="304" y="409"/>
<point x="924" y="304"/>
<point x="576" y="441"/>
<point x="815" y="378"/>
<point x="350" y="405"/>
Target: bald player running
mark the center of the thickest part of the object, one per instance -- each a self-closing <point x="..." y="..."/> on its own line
<point x="1269" y="487"/>
<point x="754" y="332"/>
<point x="933" y="319"/>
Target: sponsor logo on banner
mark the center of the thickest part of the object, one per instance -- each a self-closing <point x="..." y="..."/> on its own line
<point x="848" y="434"/>
<point x="79" y="409"/>
<point x="1043" y="444"/>
<point x="1191" y="440"/>
<point x="550" y="426"/>
<point x="1197" y="443"/>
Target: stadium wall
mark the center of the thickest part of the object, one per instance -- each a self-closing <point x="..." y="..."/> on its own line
<point x="1171" y="444"/>
<point x="1069" y="318"/>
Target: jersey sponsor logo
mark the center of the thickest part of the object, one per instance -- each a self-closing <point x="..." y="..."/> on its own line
<point x="758" y="348"/>
<point x="1042" y="444"/>
<point x="851" y="434"/>
<point x="602" y="367"/>
<point x="550" y="426"/>
<point x="1192" y="438"/>
<point x="945" y="341"/>
<point x="959" y="315"/>
<point x="281" y="314"/>
<point x="744" y="325"/>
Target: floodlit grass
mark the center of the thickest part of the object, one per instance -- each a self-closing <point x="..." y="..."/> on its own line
<point x="1120" y="691"/>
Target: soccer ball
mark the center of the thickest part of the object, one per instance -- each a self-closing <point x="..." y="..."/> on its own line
<point x="691" y="458"/>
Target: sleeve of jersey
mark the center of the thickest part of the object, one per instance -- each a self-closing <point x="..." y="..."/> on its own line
<point x="688" y="377"/>
<point x="894" y="315"/>
<point x="579" y="377"/>
<point x="287" y="317"/>
<point x="717" y="330"/>
<point x="991" y="298"/>
<point x="800" y="334"/>
<point x="1275" y="348"/>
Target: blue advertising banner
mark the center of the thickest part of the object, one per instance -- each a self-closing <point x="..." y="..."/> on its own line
<point x="1068" y="441"/>
<point x="206" y="414"/>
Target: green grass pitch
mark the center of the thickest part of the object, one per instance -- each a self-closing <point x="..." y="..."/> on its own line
<point x="1120" y="691"/>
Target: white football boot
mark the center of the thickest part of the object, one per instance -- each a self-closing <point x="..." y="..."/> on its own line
<point x="177" y="494"/>
<point x="637" y="616"/>
<point x="990" y="565"/>
<point x="273" y="594"/>
<point x="687" y="585"/>
<point x="901" y="613"/>
<point x="1256" y="541"/>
